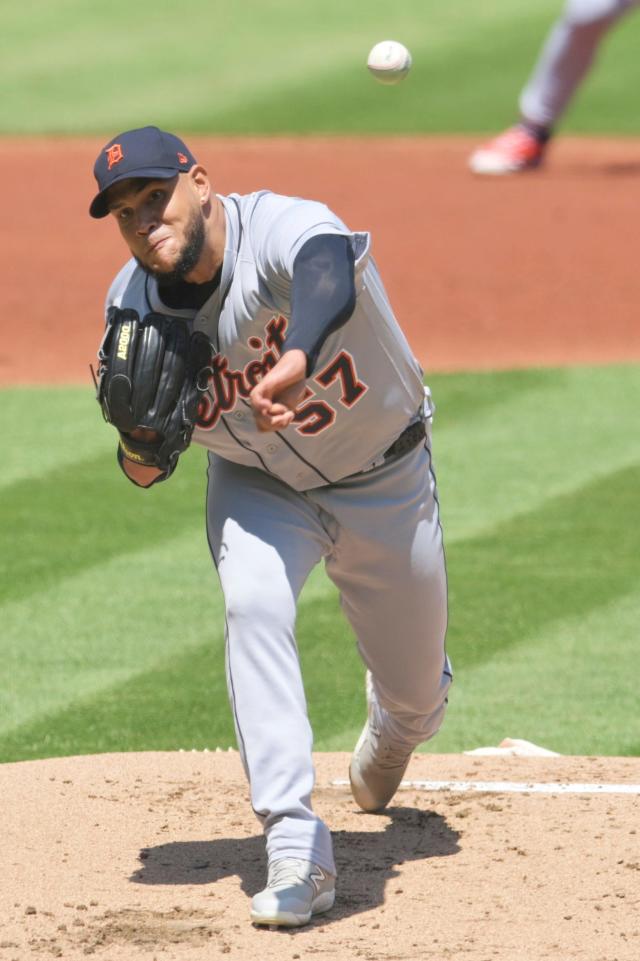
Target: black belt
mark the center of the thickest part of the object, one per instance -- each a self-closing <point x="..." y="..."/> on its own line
<point x="407" y="440"/>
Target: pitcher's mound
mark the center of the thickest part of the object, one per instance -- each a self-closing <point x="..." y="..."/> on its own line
<point x="155" y="856"/>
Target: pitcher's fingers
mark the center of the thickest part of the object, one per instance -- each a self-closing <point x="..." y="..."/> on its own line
<point x="279" y="422"/>
<point x="282" y="420"/>
<point x="276" y="409"/>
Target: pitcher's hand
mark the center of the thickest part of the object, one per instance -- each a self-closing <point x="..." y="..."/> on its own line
<point x="275" y="398"/>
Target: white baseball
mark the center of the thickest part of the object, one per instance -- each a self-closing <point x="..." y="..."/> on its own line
<point x="389" y="61"/>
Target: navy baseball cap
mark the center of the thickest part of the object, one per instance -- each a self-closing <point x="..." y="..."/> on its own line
<point x="144" y="152"/>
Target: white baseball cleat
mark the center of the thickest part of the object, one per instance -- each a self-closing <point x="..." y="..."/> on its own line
<point x="376" y="768"/>
<point x="295" y="891"/>
<point x="511" y="152"/>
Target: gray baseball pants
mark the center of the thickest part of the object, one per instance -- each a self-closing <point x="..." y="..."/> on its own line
<point x="567" y="55"/>
<point x="380" y="537"/>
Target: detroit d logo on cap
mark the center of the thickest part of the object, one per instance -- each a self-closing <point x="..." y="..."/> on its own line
<point x="114" y="155"/>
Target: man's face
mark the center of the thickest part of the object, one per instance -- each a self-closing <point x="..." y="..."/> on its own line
<point x="162" y="223"/>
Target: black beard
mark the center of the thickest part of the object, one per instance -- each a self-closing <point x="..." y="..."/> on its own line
<point x="188" y="259"/>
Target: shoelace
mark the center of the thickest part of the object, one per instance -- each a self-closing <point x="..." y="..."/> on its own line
<point x="285" y="870"/>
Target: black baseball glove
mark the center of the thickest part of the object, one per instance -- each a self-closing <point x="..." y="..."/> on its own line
<point x="151" y="375"/>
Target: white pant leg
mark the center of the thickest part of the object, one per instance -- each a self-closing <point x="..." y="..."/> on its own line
<point x="567" y="55"/>
<point x="265" y="539"/>
<point x="388" y="563"/>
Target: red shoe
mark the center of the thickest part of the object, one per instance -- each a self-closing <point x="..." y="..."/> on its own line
<point x="511" y="152"/>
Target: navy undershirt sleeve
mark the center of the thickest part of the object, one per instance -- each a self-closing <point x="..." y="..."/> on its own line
<point x="323" y="293"/>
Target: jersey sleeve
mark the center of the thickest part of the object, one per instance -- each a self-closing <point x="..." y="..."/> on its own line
<point x="281" y="226"/>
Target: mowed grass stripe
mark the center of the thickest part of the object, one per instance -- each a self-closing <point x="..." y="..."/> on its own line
<point x="450" y="52"/>
<point x="46" y="429"/>
<point x="99" y="629"/>
<point x="507" y="591"/>
<point x="562" y="688"/>
<point x="105" y="625"/>
<point x="283" y="48"/>
<point x="66" y="642"/>
<point x="180" y="702"/>
<point x="571" y="687"/>
<point x="505" y="442"/>
<point x="574" y="555"/>
<point x="84" y="513"/>
<point x="289" y="67"/>
<point x="175" y="693"/>
<point x="296" y="69"/>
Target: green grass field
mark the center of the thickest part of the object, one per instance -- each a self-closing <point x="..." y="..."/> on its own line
<point x="112" y="634"/>
<point x="281" y="66"/>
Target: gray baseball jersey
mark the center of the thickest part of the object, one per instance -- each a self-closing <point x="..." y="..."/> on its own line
<point x="278" y="503"/>
<point x="367" y="385"/>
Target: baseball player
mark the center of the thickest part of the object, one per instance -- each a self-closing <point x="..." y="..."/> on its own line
<point x="563" y="63"/>
<point x="318" y="430"/>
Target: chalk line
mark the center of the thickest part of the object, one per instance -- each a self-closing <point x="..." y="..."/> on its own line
<point x="512" y="787"/>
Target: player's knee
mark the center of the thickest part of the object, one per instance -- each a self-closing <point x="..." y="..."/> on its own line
<point x="423" y="698"/>
<point x="426" y="704"/>
<point x="421" y="719"/>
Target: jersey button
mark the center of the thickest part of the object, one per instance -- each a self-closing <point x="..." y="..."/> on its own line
<point x="272" y="448"/>
<point x="239" y="415"/>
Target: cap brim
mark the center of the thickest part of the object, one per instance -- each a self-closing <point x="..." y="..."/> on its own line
<point x="99" y="207"/>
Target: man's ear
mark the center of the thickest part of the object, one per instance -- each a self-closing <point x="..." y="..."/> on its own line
<point x="201" y="183"/>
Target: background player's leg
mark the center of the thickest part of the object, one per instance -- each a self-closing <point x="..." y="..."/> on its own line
<point x="265" y="539"/>
<point x="566" y="57"/>
<point x="388" y="563"/>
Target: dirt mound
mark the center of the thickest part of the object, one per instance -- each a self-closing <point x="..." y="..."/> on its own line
<point x="141" y="856"/>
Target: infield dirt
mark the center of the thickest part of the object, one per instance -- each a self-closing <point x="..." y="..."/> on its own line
<point x="483" y="273"/>
<point x="142" y="856"/>
<point x="155" y="855"/>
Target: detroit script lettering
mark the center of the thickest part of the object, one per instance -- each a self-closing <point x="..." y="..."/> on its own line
<point x="314" y="415"/>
